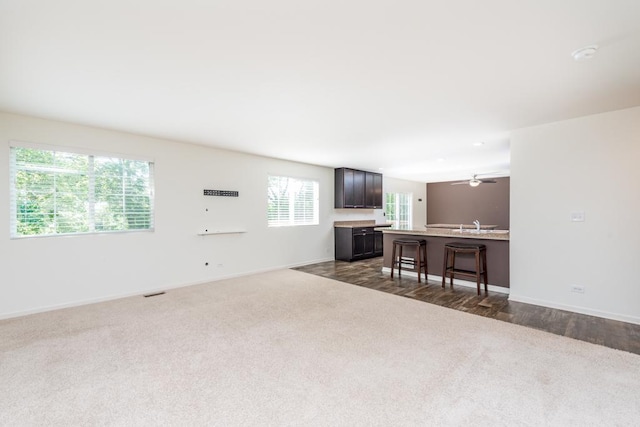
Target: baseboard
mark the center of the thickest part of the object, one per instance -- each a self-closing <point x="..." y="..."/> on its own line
<point x="88" y="301"/>
<point x="152" y="290"/>
<point x="456" y="282"/>
<point x="317" y="261"/>
<point x="575" y="309"/>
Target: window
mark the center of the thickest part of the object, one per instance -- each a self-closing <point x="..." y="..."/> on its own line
<point x="292" y="201"/>
<point x="398" y="209"/>
<point x="56" y="192"/>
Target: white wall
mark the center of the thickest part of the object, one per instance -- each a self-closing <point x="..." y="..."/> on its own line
<point x="44" y="273"/>
<point x="589" y="164"/>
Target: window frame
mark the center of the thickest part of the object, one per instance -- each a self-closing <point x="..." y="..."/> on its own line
<point x="397" y="222"/>
<point x="292" y="222"/>
<point x="90" y="200"/>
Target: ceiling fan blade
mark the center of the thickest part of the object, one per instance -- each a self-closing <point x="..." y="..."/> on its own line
<point x="460" y="182"/>
<point x="488" y="181"/>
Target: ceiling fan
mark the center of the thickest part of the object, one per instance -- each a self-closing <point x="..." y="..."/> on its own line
<point x="474" y="181"/>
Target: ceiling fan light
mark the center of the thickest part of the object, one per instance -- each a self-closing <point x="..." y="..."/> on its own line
<point x="474" y="182"/>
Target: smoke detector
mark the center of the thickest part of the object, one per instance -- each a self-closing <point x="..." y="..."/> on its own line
<point x="586" y="52"/>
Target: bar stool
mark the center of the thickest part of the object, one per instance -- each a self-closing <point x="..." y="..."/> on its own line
<point x="420" y="247"/>
<point x="480" y="253"/>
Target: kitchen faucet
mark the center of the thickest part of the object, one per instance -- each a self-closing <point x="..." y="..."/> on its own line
<point x="477" y="224"/>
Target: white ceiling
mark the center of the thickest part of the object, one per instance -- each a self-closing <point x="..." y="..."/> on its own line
<point x="403" y="85"/>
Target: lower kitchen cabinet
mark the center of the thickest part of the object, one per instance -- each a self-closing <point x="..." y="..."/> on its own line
<point x="377" y="243"/>
<point x="357" y="243"/>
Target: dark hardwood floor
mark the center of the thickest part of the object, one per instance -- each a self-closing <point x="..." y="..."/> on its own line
<point x="368" y="273"/>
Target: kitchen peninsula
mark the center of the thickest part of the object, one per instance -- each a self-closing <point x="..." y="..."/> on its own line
<point x="496" y="241"/>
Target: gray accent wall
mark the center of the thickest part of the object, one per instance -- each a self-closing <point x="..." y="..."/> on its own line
<point x="462" y="204"/>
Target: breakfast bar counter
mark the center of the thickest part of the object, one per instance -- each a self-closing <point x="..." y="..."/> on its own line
<point x="496" y="241"/>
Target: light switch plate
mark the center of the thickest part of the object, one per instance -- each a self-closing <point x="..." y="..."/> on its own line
<point x="577" y="216"/>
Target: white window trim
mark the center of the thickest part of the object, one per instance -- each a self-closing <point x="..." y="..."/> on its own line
<point x="396" y="222"/>
<point x="78" y="150"/>
<point x="291" y="222"/>
<point x="82" y="151"/>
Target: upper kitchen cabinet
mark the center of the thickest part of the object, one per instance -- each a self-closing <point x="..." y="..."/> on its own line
<point x="350" y="188"/>
<point x="373" y="190"/>
<point x="358" y="189"/>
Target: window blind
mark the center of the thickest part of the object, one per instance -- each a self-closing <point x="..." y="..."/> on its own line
<point x="55" y="192"/>
<point x="292" y="202"/>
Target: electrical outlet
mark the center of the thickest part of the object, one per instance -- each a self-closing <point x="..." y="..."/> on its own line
<point x="577" y="289"/>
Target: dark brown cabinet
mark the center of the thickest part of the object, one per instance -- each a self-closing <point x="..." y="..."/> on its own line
<point x="377" y="243"/>
<point x="357" y="189"/>
<point x="357" y="243"/>
<point x="373" y="190"/>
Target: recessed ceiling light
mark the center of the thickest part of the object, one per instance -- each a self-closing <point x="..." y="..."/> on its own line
<point x="586" y="52"/>
<point x="478" y="144"/>
<point x="440" y="160"/>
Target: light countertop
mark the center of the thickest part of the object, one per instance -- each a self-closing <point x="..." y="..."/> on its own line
<point x="484" y="234"/>
<point x="464" y="226"/>
<point x="360" y="223"/>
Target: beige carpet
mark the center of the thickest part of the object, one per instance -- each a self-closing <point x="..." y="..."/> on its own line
<point x="290" y="348"/>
